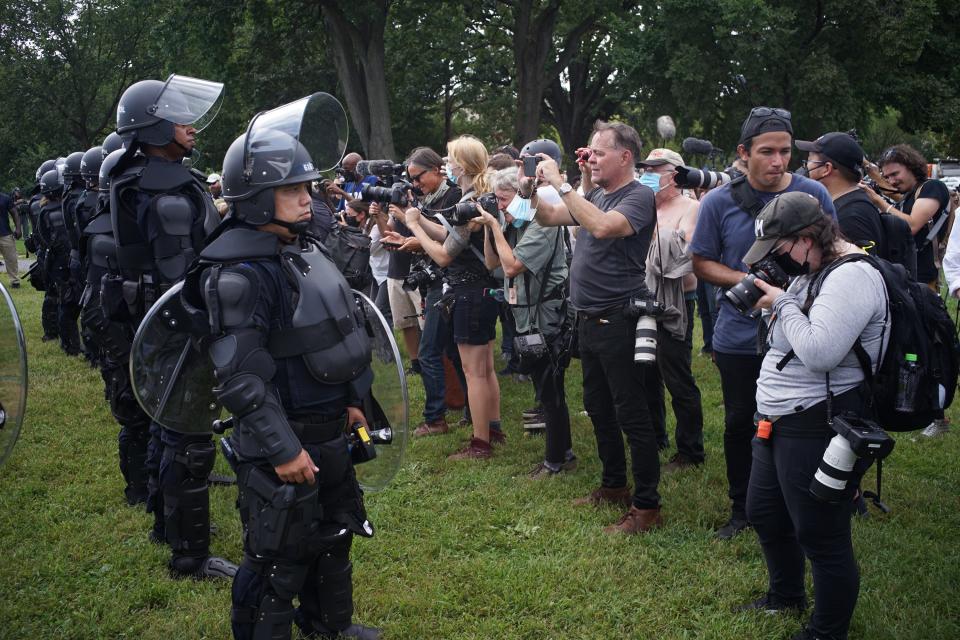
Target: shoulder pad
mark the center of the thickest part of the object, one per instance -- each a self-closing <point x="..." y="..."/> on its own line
<point x="99" y="225"/>
<point x="164" y="176"/>
<point x="230" y="294"/>
<point x="241" y="243"/>
<point x="175" y="213"/>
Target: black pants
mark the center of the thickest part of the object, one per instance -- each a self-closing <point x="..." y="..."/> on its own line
<point x="548" y="383"/>
<point x="674" y="360"/>
<point x="614" y="397"/>
<point x="738" y="381"/>
<point x="793" y="525"/>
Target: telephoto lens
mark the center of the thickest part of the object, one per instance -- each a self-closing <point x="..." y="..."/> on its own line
<point x="830" y="481"/>
<point x="645" y="348"/>
<point x="691" y="178"/>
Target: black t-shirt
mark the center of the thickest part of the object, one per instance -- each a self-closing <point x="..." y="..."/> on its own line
<point x="860" y="221"/>
<point x="399" y="265"/>
<point x="926" y="268"/>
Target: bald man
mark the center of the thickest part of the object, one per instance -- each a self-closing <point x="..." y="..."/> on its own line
<point x="352" y="182"/>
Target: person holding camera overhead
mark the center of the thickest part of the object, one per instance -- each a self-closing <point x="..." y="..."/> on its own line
<point x="723" y="235"/>
<point x="616" y="218"/>
<point x="459" y="250"/>
<point x="809" y="375"/>
<point x="535" y="277"/>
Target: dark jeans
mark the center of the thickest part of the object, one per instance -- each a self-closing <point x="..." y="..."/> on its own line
<point x="508" y="332"/>
<point x="548" y="383"/>
<point x="707" y="307"/>
<point x="738" y="381"/>
<point x="378" y="293"/>
<point x="614" y="397"/>
<point x="435" y="340"/>
<point x="791" y="525"/>
<point x="673" y="370"/>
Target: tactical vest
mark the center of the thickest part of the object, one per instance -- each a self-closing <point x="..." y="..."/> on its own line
<point x="53" y="228"/>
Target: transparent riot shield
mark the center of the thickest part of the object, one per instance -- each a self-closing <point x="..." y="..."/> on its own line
<point x="386" y="409"/>
<point x="13" y="375"/>
<point x="172" y="377"/>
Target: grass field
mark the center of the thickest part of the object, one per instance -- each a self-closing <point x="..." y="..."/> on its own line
<point x="465" y="550"/>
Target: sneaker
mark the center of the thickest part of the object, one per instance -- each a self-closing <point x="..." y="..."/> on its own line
<point x="772" y="606"/>
<point x="476" y="449"/>
<point x="620" y="496"/>
<point x="733" y="528"/>
<point x="542" y="470"/>
<point x="536" y="422"/>
<point x="532" y="412"/>
<point x="636" y="521"/>
<point x="497" y="436"/>
<point x="432" y="428"/>
<point x="937" y="428"/>
<point x="679" y="462"/>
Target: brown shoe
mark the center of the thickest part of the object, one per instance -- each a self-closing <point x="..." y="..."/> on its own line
<point x="620" y="496"/>
<point x="679" y="462"/>
<point x="497" y="437"/>
<point x="432" y="428"/>
<point x="636" y="521"/>
<point x="477" y="449"/>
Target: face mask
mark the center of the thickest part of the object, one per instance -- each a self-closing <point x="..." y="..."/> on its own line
<point x="450" y="174"/>
<point x="520" y="209"/>
<point x="651" y="180"/>
<point x="352" y="221"/>
<point x="790" y="266"/>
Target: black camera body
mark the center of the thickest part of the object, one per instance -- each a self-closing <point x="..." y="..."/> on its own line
<point x="463" y="212"/>
<point x="857" y="438"/>
<point x="744" y="295"/>
<point x="396" y="194"/>
<point x="422" y="276"/>
<point x="643" y="307"/>
<point x="386" y="171"/>
<point x="693" y="178"/>
<point x="530" y="350"/>
<point x="867" y="439"/>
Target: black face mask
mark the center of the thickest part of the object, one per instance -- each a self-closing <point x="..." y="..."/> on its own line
<point x="352" y="221"/>
<point x="790" y="266"/>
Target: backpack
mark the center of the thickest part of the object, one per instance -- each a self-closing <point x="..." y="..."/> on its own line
<point x="349" y="249"/>
<point x="919" y="325"/>
<point x="899" y="245"/>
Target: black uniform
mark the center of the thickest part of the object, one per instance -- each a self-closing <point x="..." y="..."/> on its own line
<point x="63" y="290"/>
<point x="290" y="355"/>
<point x="161" y="214"/>
<point x="48" y="312"/>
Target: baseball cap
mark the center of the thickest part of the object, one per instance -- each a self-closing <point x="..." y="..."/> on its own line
<point x="765" y="120"/>
<point x="782" y="217"/>
<point x="840" y="148"/>
<point x="658" y="157"/>
<point x="213" y="177"/>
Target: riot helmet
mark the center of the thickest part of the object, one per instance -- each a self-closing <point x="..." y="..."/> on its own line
<point x="106" y="167"/>
<point x="46" y="166"/>
<point x="287" y="145"/>
<point x="110" y="144"/>
<point x="90" y="164"/>
<point x="51" y="184"/>
<point x="542" y="145"/>
<point x="149" y="109"/>
<point x="71" y="166"/>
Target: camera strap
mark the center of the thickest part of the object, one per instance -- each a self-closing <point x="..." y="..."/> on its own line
<point x="745" y="197"/>
<point x="542" y="297"/>
<point x="452" y="230"/>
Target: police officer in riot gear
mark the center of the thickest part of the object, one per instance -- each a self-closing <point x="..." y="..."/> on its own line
<point x="161" y="213"/>
<point x="73" y="188"/>
<point x="292" y="361"/>
<point x="54" y="237"/>
<point x="48" y="311"/>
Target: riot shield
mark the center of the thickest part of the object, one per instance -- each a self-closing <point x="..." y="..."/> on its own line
<point x="172" y="377"/>
<point x="318" y="121"/>
<point x="13" y="375"/>
<point x="386" y="409"/>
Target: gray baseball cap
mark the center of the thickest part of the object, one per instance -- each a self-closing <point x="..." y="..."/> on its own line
<point x="783" y="216"/>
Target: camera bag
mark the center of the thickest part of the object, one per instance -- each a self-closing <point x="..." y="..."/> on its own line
<point x="349" y="249"/>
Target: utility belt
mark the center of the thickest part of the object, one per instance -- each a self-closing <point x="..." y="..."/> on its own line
<point x="138" y="295"/>
<point x="317" y="429"/>
<point x="470" y="279"/>
<point x="810" y="422"/>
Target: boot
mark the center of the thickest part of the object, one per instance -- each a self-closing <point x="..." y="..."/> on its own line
<point x="432" y="428"/>
<point x="620" y="496"/>
<point x="636" y="521"/>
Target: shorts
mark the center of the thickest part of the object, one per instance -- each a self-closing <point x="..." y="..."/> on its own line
<point x="404" y="305"/>
<point x="474" y="316"/>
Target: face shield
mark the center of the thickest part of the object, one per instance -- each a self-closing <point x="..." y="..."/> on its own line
<point x="186" y="100"/>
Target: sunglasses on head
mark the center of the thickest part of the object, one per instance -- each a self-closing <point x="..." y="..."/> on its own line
<point x="761" y="112"/>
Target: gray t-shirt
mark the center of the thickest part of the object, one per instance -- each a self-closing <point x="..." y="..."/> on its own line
<point x="852" y="304"/>
<point x="608" y="272"/>
<point x="533" y="246"/>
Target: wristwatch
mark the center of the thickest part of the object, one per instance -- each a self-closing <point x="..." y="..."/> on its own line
<point x="564" y="189"/>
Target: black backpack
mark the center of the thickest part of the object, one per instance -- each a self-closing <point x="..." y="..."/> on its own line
<point x="919" y="325"/>
<point x="349" y="249"/>
<point x="899" y="244"/>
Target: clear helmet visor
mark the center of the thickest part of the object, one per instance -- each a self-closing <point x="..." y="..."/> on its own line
<point x="317" y="121"/>
<point x="186" y="100"/>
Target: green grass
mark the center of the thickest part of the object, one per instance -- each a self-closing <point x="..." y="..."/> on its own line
<point x="466" y="550"/>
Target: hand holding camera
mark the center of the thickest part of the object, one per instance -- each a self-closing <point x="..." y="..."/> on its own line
<point x="770" y="293"/>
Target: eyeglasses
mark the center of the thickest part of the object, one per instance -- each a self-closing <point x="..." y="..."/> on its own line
<point x="416" y="178"/>
<point x="761" y="112"/>
<point x="816" y="163"/>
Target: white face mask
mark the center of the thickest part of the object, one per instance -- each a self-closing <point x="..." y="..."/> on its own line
<point x="520" y="209"/>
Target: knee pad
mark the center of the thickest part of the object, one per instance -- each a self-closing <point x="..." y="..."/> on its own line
<point x="263" y="599"/>
<point x="332" y="593"/>
<point x="186" y="498"/>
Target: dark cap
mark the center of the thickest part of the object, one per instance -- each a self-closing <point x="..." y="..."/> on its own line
<point x="783" y="216"/>
<point x="840" y="148"/>
<point x="765" y="120"/>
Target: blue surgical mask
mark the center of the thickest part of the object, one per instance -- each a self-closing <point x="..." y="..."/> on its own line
<point x="651" y="180"/>
<point x="520" y="209"/>
<point x="517" y="222"/>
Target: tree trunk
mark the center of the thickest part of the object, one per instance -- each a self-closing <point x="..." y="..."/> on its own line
<point x="358" y="53"/>
<point x="532" y="44"/>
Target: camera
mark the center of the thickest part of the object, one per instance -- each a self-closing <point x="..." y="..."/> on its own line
<point x="856" y="438"/>
<point x="422" y="276"/>
<point x="530" y="350"/>
<point x="744" y="295"/>
<point x="463" y="212"/>
<point x="386" y="171"/>
<point x="530" y="165"/>
<point x="395" y="194"/>
<point x="691" y="178"/>
<point x="645" y="311"/>
<point x="583" y="154"/>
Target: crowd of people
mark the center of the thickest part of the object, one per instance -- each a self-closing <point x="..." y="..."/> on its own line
<point x="572" y="264"/>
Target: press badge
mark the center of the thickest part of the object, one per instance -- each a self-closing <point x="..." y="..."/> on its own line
<point x="512" y="295"/>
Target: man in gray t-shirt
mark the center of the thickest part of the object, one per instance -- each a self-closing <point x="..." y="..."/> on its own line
<point x="616" y="219"/>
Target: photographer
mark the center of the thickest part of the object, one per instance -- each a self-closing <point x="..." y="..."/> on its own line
<point x="459" y="250"/>
<point x="616" y="217"/>
<point x="424" y="170"/>
<point x="670" y="277"/>
<point x="535" y="275"/>
<point x="797" y="398"/>
<point x="724" y="233"/>
<point x="348" y="184"/>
